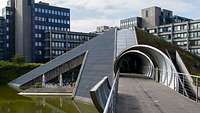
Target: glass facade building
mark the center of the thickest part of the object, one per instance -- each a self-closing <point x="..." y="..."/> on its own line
<point x="2" y="37"/>
<point x="185" y="34"/>
<point x="46" y="18"/>
<point x="130" y="23"/>
<point x="9" y="38"/>
<point x="27" y="38"/>
<point x="150" y="17"/>
<point x="58" y="42"/>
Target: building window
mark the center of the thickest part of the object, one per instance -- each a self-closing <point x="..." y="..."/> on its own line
<point x="65" y="14"/>
<point x="39" y="10"/>
<point x="38" y="44"/>
<point x="7" y="28"/>
<point x="49" y="11"/>
<point x="152" y="31"/>
<point x="146" y="13"/>
<point x="61" y="13"/>
<point x="194" y="34"/>
<point x="36" y="9"/>
<point x="39" y="52"/>
<point x="7" y="37"/>
<point x="7" y="20"/>
<point x="43" y="11"/>
<point x="46" y="11"/>
<point x="7" y="45"/>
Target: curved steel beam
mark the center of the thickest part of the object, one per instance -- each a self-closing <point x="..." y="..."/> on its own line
<point x="160" y="60"/>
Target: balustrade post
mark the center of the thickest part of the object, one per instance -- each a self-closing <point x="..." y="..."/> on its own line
<point x="60" y="80"/>
<point x="183" y="84"/>
<point x="43" y="81"/>
<point x="174" y="80"/>
<point x="197" y="84"/>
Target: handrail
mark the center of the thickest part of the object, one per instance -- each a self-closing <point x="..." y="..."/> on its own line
<point x="99" y="94"/>
<point x="111" y="102"/>
<point x="186" y="84"/>
<point x="104" y="96"/>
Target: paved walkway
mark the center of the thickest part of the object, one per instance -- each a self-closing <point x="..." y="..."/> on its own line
<point x="139" y="95"/>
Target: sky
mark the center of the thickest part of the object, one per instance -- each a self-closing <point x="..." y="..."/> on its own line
<point x="86" y="15"/>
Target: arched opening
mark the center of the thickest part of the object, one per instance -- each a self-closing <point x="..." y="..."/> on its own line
<point x="130" y="63"/>
<point x="135" y="62"/>
<point x="152" y="63"/>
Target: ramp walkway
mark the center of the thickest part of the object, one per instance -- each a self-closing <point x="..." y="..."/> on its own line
<point x="142" y="95"/>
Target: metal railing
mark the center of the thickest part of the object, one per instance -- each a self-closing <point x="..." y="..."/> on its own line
<point x="185" y="84"/>
<point x="111" y="101"/>
<point x="104" y="96"/>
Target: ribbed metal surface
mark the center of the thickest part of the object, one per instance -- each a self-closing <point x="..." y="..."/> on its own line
<point x="125" y="39"/>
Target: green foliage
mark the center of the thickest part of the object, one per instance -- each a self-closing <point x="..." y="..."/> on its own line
<point x="12" y="70"/>
<point x="38" y="85"/>
<point x="191" y="61"/>
<point x="18" y="59"/>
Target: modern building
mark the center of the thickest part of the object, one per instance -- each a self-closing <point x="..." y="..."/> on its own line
<point x="186" y="34"/>
<point x="179" y="19"/>
<point x="101" y="29"/>
<point x="39" y="17"/>
<point x="182" y="31"/>
<point x="151" y="17"/>
<point x="46" y="18"/>
<point x="154" y="16"/>
<point x="9" y="39"/>
<point x="25" y="24"/>
<point x="57" y="43"/>
<point x="2" y="37"/>
<point x="130" y="23"/>
<point x="23" y="28"/>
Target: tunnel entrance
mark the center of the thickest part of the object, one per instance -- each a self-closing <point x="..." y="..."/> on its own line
<point x="134" y="62"/>
<point x="131" y="63"/>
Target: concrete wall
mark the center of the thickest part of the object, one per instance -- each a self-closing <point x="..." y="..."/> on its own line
<point x="152" y="18"/>
<point x="23" y="26"/>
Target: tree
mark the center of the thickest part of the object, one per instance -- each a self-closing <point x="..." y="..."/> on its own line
<point x="18" y="59"/>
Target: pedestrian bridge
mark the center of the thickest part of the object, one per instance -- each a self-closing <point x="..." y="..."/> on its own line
<point x="143" y="95"/>
<point x="145" y="81"/>
<point x="117" y="55"/>
<point x="137" y="93"/>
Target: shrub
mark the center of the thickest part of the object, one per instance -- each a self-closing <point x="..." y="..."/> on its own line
<point x="18" y="59"/>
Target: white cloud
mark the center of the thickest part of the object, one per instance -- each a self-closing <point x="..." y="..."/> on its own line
<point x="87" y="14"/>
<point x="2" y="5"/>
<point x="89" y="25"/>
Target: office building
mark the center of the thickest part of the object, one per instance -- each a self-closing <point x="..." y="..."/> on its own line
<point x="9" y="25"/>
<point x="130" y="23"/>
<point x="150" y="17"/>
<point x="57" y="43"/>
<point x="179" y="19"/>
<point x="182" y="31"/>
<point x="25" y="24"/>
<point x="102" y="29"/>
<point x="2" y="37"/>
<point x="185" y="35"/>
<point x="46" y="18"/>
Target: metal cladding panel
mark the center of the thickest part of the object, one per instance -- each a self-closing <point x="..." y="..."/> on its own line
<point x="99" y="63"/>
<point x="49" y="66"/>
<point x="125" y="39"/>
